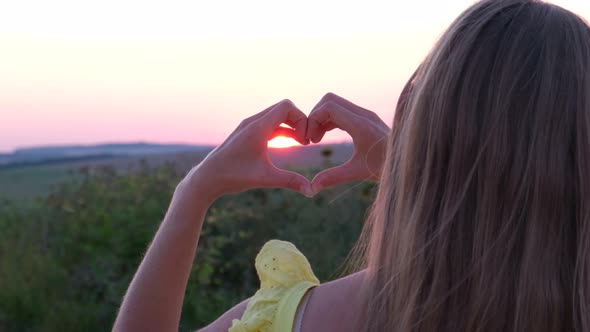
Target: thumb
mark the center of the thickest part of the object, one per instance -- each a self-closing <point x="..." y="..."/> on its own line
<point x="344" y="173"/>
<point x="279" y="178"/>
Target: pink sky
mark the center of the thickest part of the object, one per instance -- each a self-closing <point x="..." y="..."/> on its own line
<point x="183" y="71"/>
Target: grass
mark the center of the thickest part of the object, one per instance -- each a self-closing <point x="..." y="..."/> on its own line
<point x="26" y="183"/>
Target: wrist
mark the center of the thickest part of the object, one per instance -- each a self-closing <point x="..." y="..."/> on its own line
<point x="200" y="185"/>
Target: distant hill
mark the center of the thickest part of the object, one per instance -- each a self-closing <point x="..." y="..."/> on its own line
<point x="61" y="154"/>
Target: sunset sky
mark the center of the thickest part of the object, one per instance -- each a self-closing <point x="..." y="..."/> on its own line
<point x="84" y="72"/>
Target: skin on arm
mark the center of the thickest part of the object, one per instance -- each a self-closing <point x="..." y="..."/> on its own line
<point x="224" y="322"/>
<point x="153" y="301"/>
<point x="335" y="305"/>
<point x="154" y="298"/>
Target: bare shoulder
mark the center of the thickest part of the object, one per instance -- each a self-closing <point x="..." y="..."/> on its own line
<point x="335" y="306"/>
<point x="224" y="322"/>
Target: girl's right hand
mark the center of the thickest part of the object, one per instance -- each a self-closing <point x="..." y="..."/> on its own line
<point x="241" y="162"/>
<point x="369" y="134"/>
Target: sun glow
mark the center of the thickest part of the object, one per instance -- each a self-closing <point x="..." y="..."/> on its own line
<point x="202" y="67"/>
<point x="281" y="142"/>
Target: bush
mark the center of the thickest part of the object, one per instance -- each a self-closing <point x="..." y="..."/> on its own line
<point x="67" y="259"/>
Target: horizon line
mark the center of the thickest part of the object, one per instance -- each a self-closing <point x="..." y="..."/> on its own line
<point x="138" y="142"/>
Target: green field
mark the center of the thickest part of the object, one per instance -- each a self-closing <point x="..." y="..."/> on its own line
<point x="28" y="182"/>
<point x="25" y="183"/>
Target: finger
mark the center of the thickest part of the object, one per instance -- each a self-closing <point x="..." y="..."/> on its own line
<point x="257" y="116"/>
<point x="287" y="132"/>
<point x="360" y="111"/>
<point x="346" y="172"/>
<point x="329" y="126"/>
<point x="330" y="115"/>
<point x="284" y="112"/>
<point x="279" y="178"/>
<point x="319" y="134"/>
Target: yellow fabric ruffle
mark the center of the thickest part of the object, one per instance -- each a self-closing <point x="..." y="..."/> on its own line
<point x="285" y="276"/>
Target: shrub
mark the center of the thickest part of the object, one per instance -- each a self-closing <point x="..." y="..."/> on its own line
<point x="67" y="259"/>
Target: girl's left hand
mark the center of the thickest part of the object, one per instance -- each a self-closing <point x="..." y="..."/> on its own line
<point x="242" y="162"/>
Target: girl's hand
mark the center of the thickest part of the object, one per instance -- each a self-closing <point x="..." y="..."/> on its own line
<point x="369" y="134"/>
<point x="242" y="162"/>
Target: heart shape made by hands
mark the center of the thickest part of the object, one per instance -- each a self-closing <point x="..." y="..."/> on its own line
<point x="368" y="134"/>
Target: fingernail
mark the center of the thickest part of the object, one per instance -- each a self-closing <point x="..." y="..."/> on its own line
<point x="306" y="190"/>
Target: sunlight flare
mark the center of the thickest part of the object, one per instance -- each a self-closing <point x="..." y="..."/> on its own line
<point x="281" y="142"/>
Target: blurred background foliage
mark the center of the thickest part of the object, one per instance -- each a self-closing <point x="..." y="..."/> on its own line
<point x="67" y="258"/>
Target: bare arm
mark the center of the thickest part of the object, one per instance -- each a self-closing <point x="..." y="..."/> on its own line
<point x="224" y="322"/>
<point x="154" y="299"/>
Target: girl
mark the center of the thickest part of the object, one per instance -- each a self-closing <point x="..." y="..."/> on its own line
<point x="482" y="218"/>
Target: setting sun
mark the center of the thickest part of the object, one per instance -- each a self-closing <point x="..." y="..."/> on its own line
<point x="280" y="142"/>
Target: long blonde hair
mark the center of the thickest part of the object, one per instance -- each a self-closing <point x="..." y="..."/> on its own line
<point x="482" y="218"/>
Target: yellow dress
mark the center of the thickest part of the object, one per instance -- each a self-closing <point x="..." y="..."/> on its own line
<point x="285" y="277"/>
